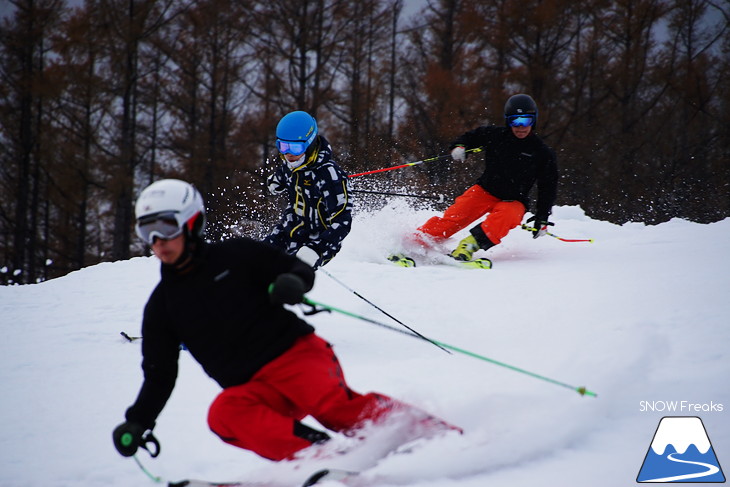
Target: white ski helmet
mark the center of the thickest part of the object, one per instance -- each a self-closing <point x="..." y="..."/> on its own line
<point x="166" y="208"/>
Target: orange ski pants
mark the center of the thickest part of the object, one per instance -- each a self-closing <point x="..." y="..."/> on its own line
<point x="502" y="216"/>
<point x="305" y="380"/>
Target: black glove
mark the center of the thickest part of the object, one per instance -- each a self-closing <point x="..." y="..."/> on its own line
<point x="128" y="437"/>
<point x="287" y="289"/>
<point x="540" y="226"/>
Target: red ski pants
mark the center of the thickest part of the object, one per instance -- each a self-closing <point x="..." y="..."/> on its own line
<point x="502" y="216"/>
<point x="305" y="380"/>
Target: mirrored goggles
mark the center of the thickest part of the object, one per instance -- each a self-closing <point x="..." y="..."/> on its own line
<point x="521" y="120"/>
<point x="294" y="148"/>
<point x="162" y="226"/>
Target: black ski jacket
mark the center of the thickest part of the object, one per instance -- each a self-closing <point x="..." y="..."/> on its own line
<point x="512" y="166"/>
<point x="220" y="311"/>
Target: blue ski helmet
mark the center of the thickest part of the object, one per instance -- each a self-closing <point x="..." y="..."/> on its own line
<point x="295" y="133"/>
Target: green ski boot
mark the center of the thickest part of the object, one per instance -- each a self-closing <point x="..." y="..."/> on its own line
<point x="465" y="249"/>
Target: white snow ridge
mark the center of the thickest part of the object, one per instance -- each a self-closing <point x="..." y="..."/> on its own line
<point x="640" y="314"/>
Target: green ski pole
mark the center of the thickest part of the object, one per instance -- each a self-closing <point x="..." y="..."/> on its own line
<point x="580" y="390"/>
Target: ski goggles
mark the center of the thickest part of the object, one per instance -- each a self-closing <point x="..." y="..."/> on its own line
<point x="521" y="120"/>
<point x="293" y="148"/>
<point x="160" y="225"/>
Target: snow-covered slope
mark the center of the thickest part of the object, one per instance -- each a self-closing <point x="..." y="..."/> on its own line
<point x="640" y="317"/>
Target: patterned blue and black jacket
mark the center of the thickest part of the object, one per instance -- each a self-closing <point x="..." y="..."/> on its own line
<point x="319" y="210"/>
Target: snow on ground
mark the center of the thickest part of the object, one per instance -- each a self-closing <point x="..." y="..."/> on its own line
<point x="640" y="317"/>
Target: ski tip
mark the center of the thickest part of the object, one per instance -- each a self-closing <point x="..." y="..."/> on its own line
<point x="315" y="477"/>
<point x="402" y="260"/>
<point x="206" y="483"/>
<point x="481" y="263"/>
<point x="328" y="474"/>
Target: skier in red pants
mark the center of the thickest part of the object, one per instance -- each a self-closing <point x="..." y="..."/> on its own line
<point x="223" y="302"/>
<point x="515" y="159"/>
<point x="306" y="380"/>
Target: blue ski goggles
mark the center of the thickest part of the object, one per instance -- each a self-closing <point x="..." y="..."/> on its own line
<point x="161" y="225"/>
<point x="521" y="120"/>
<point x="294" y="148"/>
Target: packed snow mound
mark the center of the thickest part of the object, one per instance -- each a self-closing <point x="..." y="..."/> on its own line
<point x="639" y="315"/>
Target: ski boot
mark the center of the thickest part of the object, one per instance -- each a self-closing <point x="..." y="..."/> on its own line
<point x="465" y="249"/>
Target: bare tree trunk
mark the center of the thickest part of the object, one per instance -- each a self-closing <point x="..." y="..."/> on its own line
<point x="124" y="183"/>
<point x="26" y="146"/>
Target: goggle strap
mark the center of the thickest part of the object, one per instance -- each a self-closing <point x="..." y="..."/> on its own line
<point x="191" y="222"/>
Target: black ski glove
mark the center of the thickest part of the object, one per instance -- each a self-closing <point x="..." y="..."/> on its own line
<point x="287" y="289"/>
<point x="540" y="226"/>
<point x="128" y="437"/>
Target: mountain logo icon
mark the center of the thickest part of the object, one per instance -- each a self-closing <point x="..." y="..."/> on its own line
<point x="681" y="452"/>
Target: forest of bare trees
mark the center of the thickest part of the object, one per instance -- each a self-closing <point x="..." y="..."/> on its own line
<point x="100" y="97"/>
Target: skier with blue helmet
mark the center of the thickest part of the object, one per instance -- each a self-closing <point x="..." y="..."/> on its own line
<point x="319" y="212"/>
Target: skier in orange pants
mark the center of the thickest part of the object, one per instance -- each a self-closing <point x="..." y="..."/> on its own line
<point x="502" y="216"/>
<point x="515" y="159"/>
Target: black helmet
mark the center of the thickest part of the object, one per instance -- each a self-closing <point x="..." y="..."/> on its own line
<point x="520" y="105"/>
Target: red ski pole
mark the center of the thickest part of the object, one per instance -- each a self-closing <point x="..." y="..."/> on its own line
<point x="408" y="164"/>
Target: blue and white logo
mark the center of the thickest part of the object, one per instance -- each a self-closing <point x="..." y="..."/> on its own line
<point x="680" y="452"/>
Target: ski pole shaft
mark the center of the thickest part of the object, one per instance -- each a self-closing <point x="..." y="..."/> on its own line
<point x="399" y="167"/>
<point x="531" y="229"/>
<point x="409" y="164"/>
<point x="580" y="390"/>
<point x="154" y="478"/>
<point x="440" y="198"/>
<point x="381" y="309"/>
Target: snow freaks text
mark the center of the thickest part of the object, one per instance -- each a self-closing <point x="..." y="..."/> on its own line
<point x="680" y="407"/>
